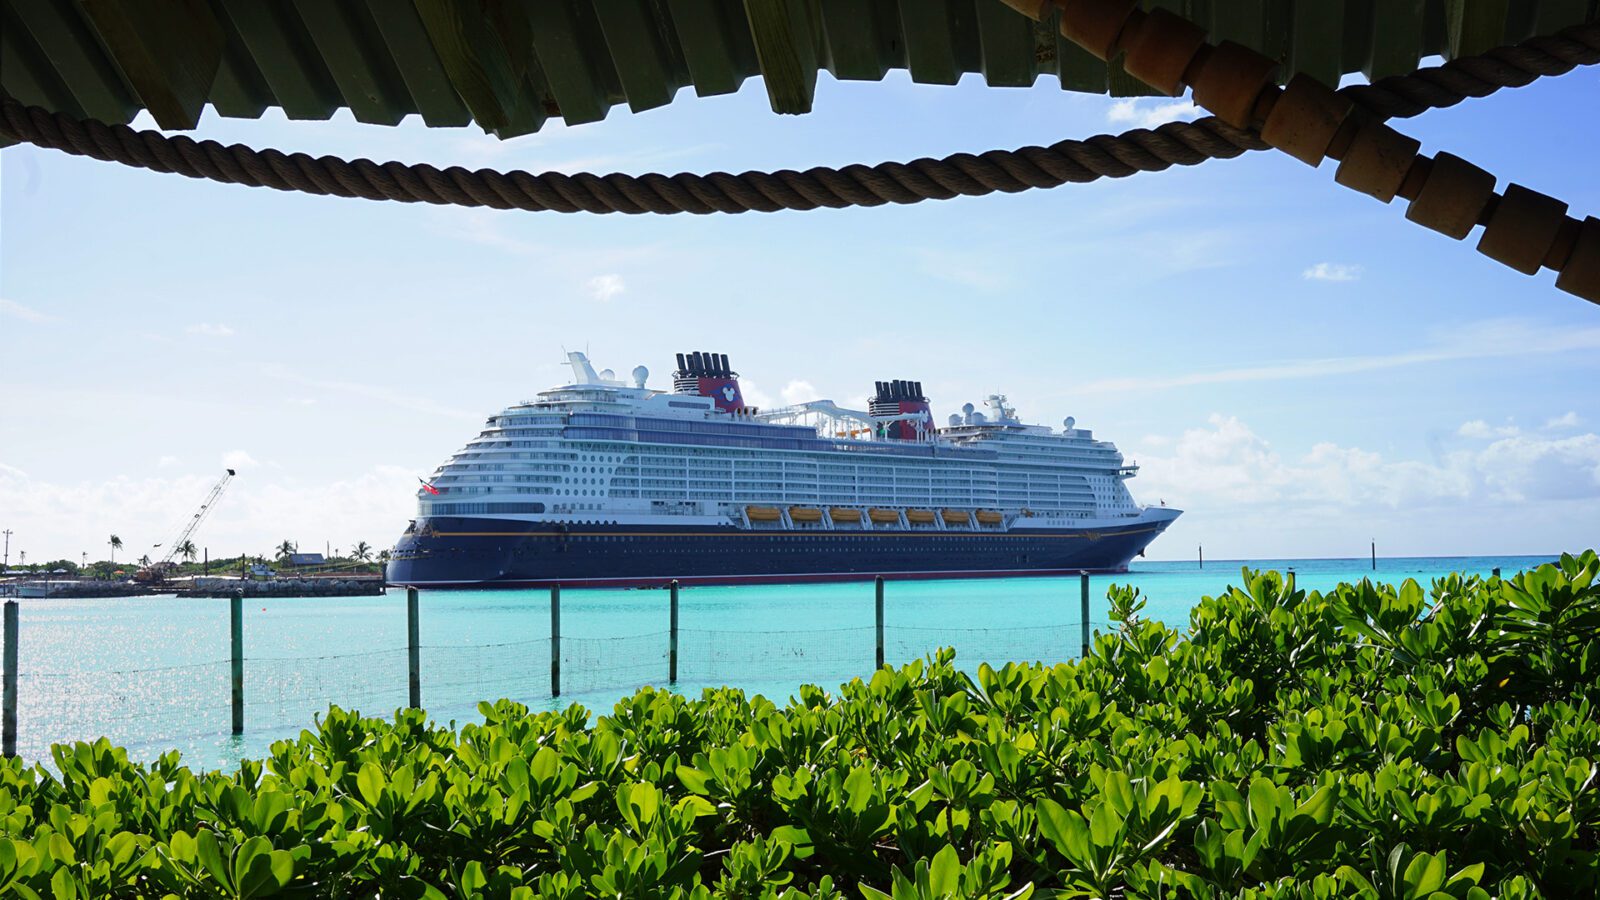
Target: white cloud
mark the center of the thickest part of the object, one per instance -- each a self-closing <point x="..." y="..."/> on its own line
<point x="1147" y="113"/>
<point x="798" y="391"/>
<point x="238" y="459"/>
<point x="166" y="462"/>
<point x="260" y="509"/>
<point x="1569" y="420"/>
<point x="207" y="329"/>
<point x="1479" y="429"/>
<point x="605" y="287"/>
<point x="1492" y="339"/>
<point x="1327" y="271"/>
<point x="26" y="313"/>
<point x="380" y="393"/>
<point x="1228" y="466"/>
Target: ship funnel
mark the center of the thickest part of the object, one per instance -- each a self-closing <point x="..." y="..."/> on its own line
<point x="903" y="398"/>
<point x="709" y="375"/>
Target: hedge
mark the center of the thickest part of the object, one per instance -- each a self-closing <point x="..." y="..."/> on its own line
<point x="1372" y="741"/>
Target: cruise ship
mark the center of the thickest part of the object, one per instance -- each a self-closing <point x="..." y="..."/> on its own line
<point x="608" y="482"/>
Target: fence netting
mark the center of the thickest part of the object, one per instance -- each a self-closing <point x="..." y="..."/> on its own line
<point x="124" y="706"/>
<point x="161" y="707"/>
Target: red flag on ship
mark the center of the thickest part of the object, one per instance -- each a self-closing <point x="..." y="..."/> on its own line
<point x="429" y="488"/>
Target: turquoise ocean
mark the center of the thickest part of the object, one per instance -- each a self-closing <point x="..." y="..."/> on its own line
<point x="153" y="673"/>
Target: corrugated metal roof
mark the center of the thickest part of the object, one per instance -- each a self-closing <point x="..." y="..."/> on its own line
<point x="509" y="65"/>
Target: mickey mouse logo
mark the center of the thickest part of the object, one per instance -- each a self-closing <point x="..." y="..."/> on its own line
<point x="729" y="393"/>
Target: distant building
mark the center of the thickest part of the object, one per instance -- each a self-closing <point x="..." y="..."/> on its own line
<point x="297" y="560"/>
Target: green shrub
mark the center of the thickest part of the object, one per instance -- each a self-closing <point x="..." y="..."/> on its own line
<point x="1368" y="742"/>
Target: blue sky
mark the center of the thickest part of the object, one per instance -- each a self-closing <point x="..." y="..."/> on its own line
<point x="1295" y="364"/>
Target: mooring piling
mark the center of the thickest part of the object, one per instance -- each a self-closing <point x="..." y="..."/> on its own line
<point x="1374" y="556"/>
<point x="1202" y="551"/>
<point x="555" y="640"/>
<point x="1083" y="580"/>
<point x="877" y="589"/>
<point x="672" y="633"/>
<point x="414" y="647"/>
<point x="236" y="629"/>
<point x="8" y="729"/>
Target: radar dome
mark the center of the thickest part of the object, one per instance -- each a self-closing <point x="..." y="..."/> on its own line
<point x="607" y="375"/>
<point x="967" y="408"/>
<point x="955" y="419"/>
<point x="640" y="374"/>
<point x="1070" y="423"/>
<point x="979" y="418"/>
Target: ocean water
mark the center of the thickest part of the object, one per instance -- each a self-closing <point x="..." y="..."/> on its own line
<point x="153" y="673"/>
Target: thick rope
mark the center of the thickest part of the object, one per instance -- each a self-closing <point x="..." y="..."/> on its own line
<point x="962" y="174"/>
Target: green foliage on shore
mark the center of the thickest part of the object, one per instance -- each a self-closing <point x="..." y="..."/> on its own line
<point x="1372" y="742"/>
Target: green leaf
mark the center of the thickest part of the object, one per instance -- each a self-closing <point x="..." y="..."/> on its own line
<point x="1425" y="874"/>
<point x="858" y="789"/>
<point x="692" y="779"/>
<point x="210" y="855"/>
<point x="369" y="783"/>
<point x="944" y="874"/>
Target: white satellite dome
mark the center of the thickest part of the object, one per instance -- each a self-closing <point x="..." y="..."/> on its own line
<point x="640" y="375"/>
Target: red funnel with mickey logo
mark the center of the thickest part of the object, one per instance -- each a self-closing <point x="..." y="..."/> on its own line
<point x="708" y="375"/>
<point x="903" y="398"/>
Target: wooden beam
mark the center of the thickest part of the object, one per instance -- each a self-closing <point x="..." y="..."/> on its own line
<point x="364" y="71"/>
<point x="786" y="52"/>
<point x="576" y="63"/>
<point x="167" y="49"/>
<point x="640" y="52"/>
<point x="1475" y="25"/>
<point x="477" y="55"/>
<point x="72" y="48"/>
<point x="425" y="79"/>
<point x="715" y="42"/>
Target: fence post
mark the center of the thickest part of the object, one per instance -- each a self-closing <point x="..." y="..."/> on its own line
<point x="10" y="724"/>
<point x="672" y="640"/>
<point x="877" y="604"/>
<point x="555" y="640"/>
<point x="413" y="647"/>
<point x="236" y="627"/>
<point x="1083" y="577"/>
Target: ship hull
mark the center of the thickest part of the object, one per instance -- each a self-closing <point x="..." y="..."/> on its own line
<point x="497" y="553"/>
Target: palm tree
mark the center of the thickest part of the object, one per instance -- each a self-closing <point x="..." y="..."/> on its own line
<point x="383" y="557"/>
<point x="144" y="561"/>
<point x="188" y="551"/>
<point x="286" y="550"/>
<point x="362" y="552"/>
<point x="116" y="544"/>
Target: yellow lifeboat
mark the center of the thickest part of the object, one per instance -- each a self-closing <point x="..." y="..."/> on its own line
<point x="845" y="514"/>
<point x="763" y="513"/>
<point x="989" y="517"/>
<point x="955" y="517"/>
<point x="805" y="514"/>
<point x="919" y="516"/>
<point x="884" y="515"/>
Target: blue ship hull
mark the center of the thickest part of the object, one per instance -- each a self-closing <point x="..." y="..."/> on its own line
<point x="478" y="552"/>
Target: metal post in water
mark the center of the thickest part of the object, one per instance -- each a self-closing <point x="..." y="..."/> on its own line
<point x="236" y="626"/>
<point x="9" y="736"/>
<point x="414" y="647"/>
<point x="1374" y="556"/>
<point x="1083" y="578"/>
<point x="672" y="639"/>
<point x="1202" y="549"/>
<point x="877" y="586"/>
<point x="555" y="640"/>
